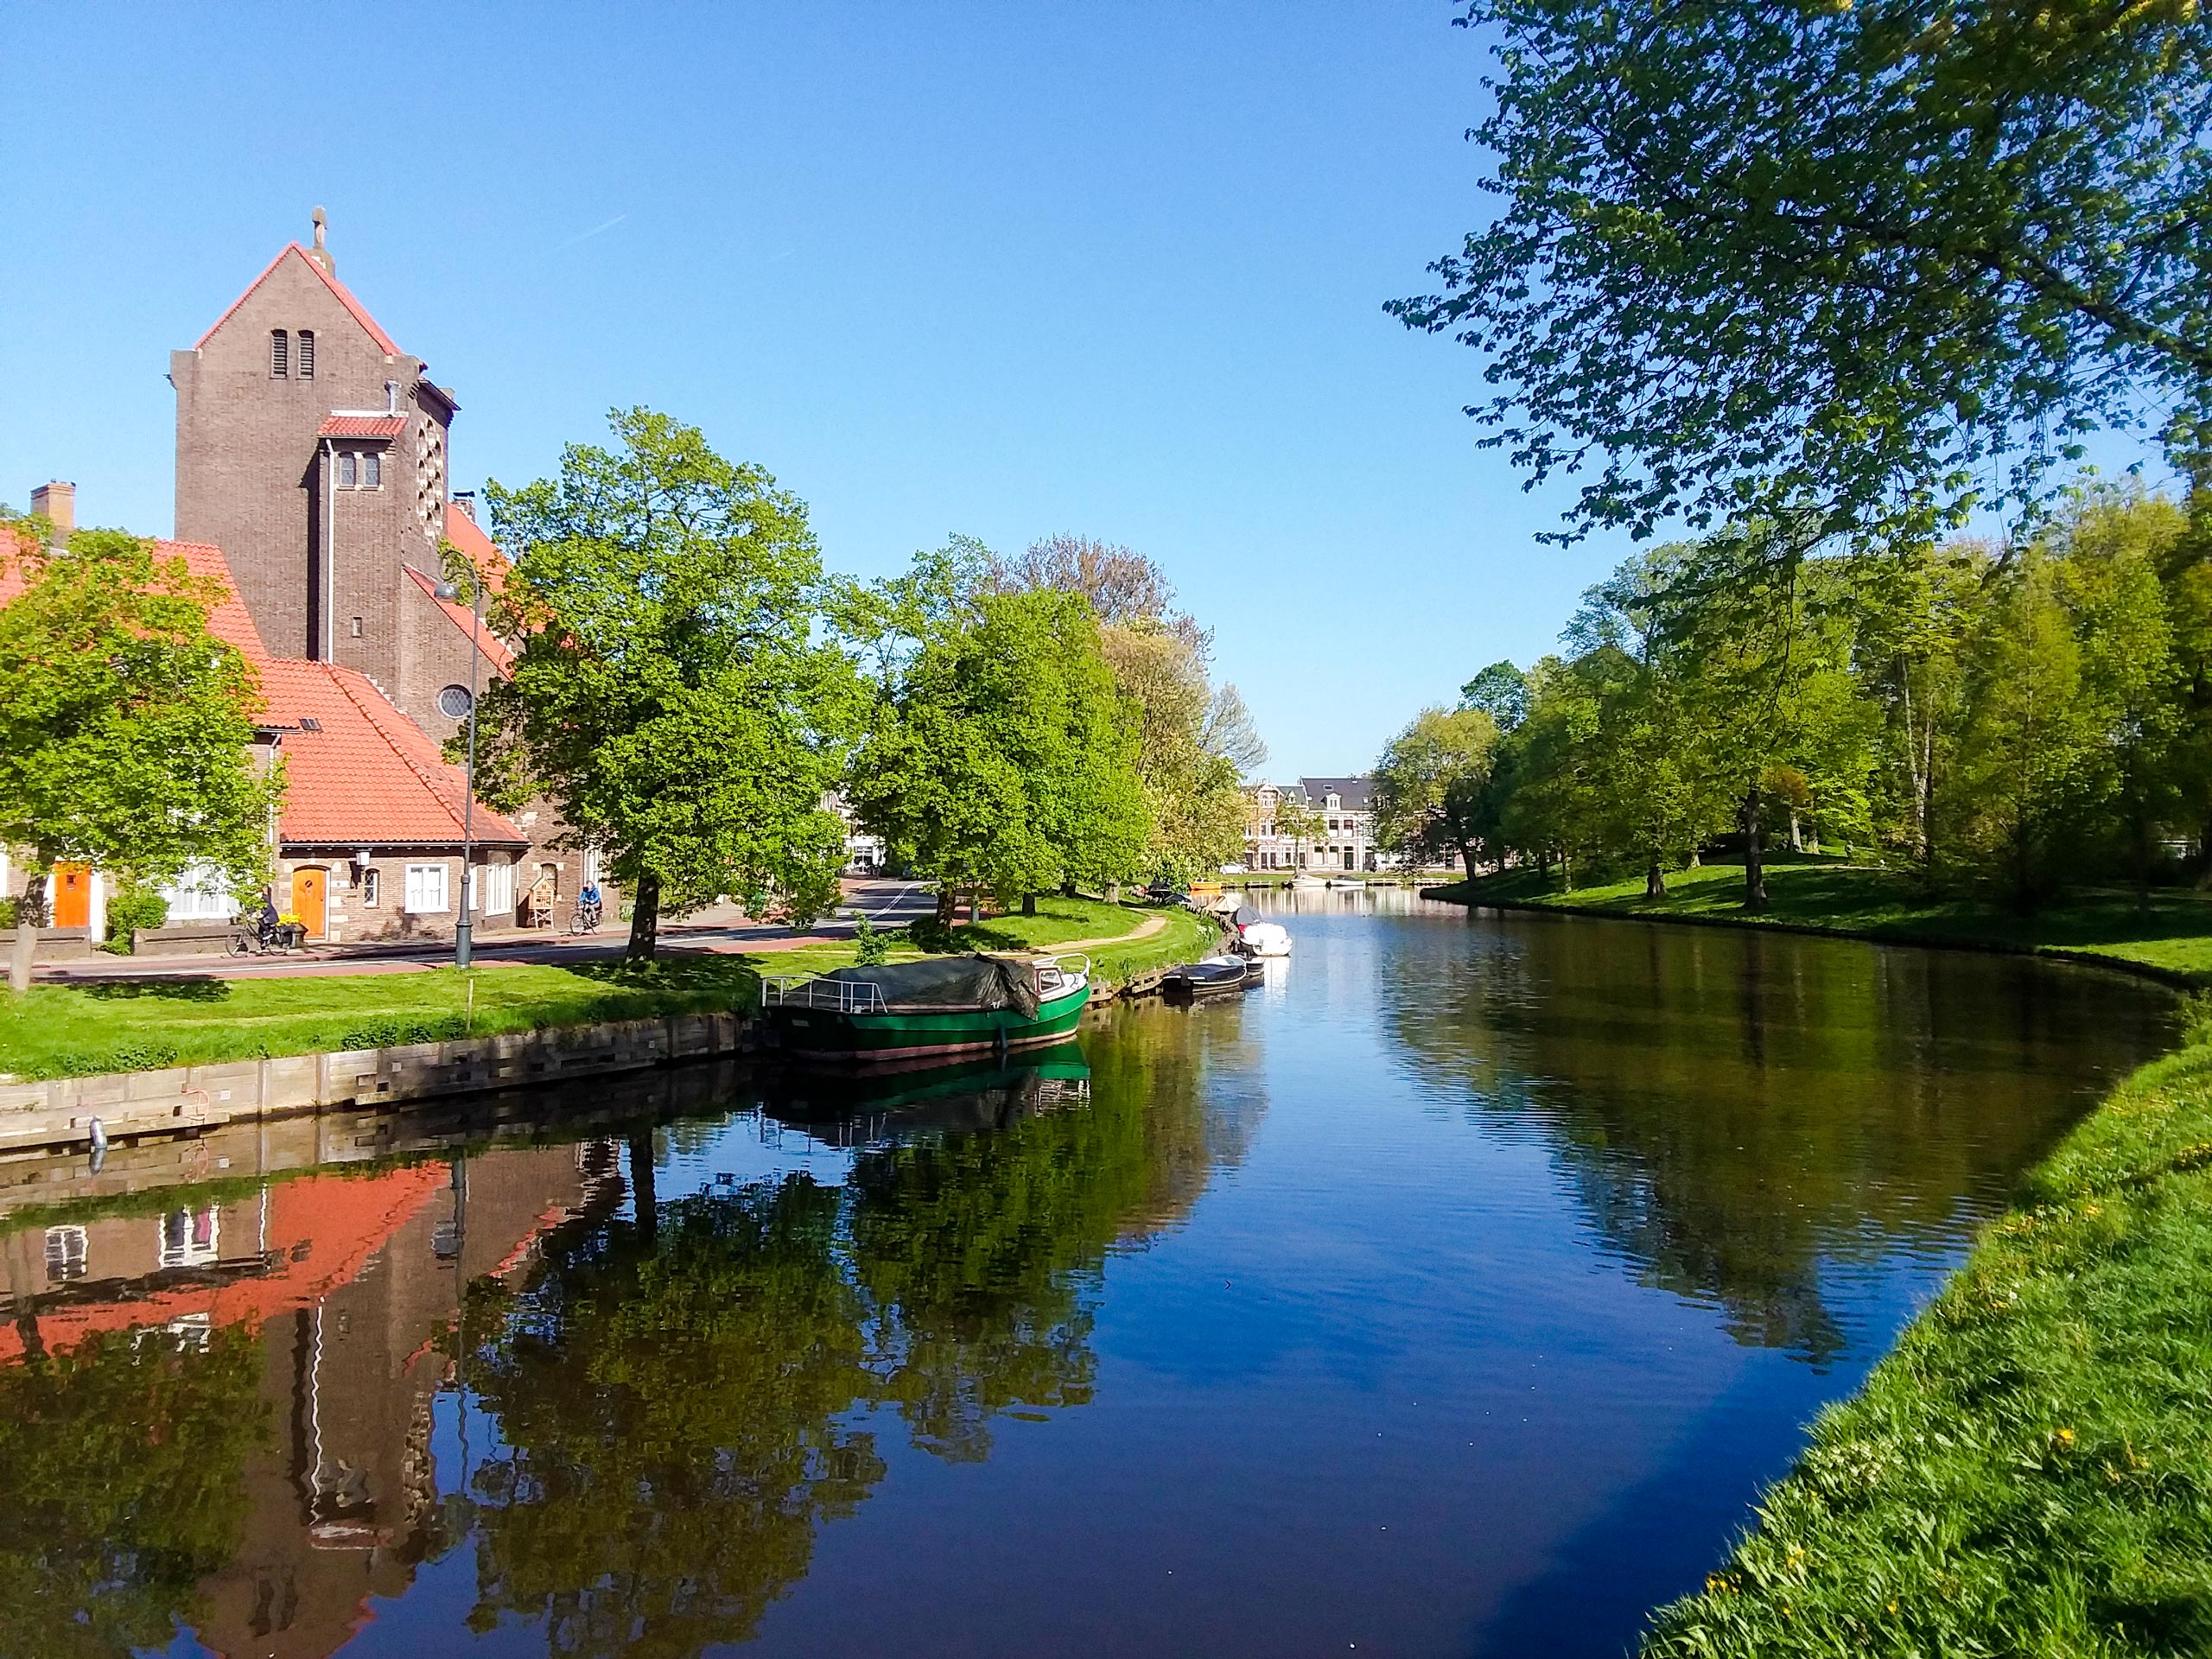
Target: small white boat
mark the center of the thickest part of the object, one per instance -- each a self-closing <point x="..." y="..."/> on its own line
<point x="1266" y="938"/>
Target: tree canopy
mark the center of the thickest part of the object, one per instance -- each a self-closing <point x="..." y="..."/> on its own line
<point x="125" y="726"/>
<point x="670" y="691"/>
<point x="1880" y="259"/>
<point x="1431" y="785"/>
<point x="1000" y="756"/>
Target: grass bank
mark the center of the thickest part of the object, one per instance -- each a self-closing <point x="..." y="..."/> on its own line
<point x="2170" y="936"/>
<point x="2030" y="1472"/>
<point x="137" y="1025"/>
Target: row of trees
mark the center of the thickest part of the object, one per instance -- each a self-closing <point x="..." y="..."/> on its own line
<point x="692" y="692"/>
<point x="2014" y="715"/>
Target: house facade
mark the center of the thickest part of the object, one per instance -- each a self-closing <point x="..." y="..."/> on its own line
<point x="1346" y="838"/>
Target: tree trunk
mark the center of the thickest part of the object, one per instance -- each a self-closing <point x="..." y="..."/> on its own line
<point x="1654" y="879"/>
<point x="644" y="919"/>
<point x="1697" y="859"/>
<point x="30" y="915"/>
<point x="1029" y="904"/>
<point x="948" y="904"/>
<point x="1113" y="893"/>
<point x="1797" y="840"/>
<point x="1467" y="856"/>
<point x="1754" y="851"/>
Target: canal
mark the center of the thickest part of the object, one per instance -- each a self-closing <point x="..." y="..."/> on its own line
<point x="1453" y="1293"/>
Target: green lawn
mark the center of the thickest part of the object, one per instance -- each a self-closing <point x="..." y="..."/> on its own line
<point x="135" y="1025"/>
<point x="2171" y="934"/>
<point x="2031" y="1470"/>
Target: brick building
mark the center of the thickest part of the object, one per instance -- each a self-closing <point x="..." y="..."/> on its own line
<point x="313" y="451"/>
<point x="312" y="480"/>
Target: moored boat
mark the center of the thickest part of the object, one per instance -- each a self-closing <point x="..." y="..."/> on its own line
<point x="940" y="1005"/>
<point x="1211" y="977"/>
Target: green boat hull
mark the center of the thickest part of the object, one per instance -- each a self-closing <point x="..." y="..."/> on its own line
<point x="815" y="1034"/>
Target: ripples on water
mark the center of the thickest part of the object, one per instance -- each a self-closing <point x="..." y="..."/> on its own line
<point x="1451" y="1294"/>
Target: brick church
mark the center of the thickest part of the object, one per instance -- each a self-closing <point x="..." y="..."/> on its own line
<point x="312" y="477"/>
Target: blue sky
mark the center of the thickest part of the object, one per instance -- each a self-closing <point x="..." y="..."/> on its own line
<point x="1006" y="270"/>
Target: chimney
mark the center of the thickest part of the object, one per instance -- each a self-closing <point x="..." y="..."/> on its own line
<point x="57" y="503"/>
<point x="466" y="500"/>
<point x="319" y="253"/>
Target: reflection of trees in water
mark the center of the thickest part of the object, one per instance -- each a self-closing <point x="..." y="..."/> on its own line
<point x="682" y="1397"/>
<point x="670" y="1393"/>
<point x="1735" y="1109"/>
<point x="120" y="1486"/>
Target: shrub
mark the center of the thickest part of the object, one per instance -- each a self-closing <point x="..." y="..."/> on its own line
<point x="7" y="912"/>
<point x="870" y="948"/>
<point x="132" y="908"/>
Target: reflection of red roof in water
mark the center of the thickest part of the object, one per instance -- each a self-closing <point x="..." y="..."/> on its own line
<point x="342" y="1222"/>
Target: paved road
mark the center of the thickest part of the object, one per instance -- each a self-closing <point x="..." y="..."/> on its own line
<point x="723" y="930"/>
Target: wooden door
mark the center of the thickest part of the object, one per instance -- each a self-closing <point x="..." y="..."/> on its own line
<point x="70" y="900"/>
<point x="310" y="887"/>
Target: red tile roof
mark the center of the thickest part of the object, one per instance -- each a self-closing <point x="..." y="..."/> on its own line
<point x="362" y="426"/>
<point x="226" y="620"/>
<point x="368" y="776"/>
<point x="465" y="533"/>
<point x="353" y="306"/>
<point x="493" y="648"/>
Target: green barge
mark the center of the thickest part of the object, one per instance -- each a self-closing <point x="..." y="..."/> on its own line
<point x="938" y="1006"/>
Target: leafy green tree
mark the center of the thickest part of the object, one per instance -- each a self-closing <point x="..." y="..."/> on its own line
<point x="1195" y="741"/>
<point x="671" y="692"/>
<point x="1860" y="256"/>
<point x="1650" y="744"/>
<point x="1500" y="691"/>
<point x="1003" y="759"/>
<point x="1430" y="783"/>
<point x="125" y="726"/>
<point x="2027" y="761"/>
<point x="1554" y="813"/>
<point x="1302" y="823"/>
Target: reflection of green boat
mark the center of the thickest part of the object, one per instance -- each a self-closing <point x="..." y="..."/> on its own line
<point x="963" y="1095"/>
<point x="938" y="1006"/>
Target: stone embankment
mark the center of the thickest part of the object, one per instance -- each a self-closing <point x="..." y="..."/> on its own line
<point x="64" y="1111"/>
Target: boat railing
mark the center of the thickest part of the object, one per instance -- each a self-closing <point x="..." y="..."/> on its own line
<point x="1055" y="972"/>
<point x="823" y="995"/>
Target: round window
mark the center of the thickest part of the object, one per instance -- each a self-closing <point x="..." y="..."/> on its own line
<point x="452" y="703"/>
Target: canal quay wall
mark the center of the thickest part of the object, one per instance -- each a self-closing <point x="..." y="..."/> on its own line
<point x="61" y="1111"/>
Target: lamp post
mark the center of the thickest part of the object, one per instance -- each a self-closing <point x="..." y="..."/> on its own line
<point x="464" y="929"/>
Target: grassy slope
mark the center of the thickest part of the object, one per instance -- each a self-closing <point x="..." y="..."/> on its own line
<point x="2172" y="934"/>
<point x="2030" y="1472"/>
<point x="132" y="1025"/>
<point x="135" y="1025"/>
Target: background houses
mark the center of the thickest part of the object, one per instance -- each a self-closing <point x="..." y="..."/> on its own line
<point x="1346" y="840"/>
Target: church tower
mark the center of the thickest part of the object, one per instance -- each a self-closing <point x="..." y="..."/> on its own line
<point x="312" y="450"/>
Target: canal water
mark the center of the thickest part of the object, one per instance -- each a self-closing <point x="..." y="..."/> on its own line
<point x="1453" y="1293"/>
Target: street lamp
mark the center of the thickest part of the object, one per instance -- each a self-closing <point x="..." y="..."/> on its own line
<point x="464" y="929"/>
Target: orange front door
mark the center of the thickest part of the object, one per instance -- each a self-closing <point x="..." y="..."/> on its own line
<point x="71" y="898"/>
<point x="309" y="888"/>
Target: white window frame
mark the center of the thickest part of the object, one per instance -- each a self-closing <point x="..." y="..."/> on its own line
<point x="419" y="900"/>
<point x="372" y="886"/>
<point x="499" y="889"/>
<point x="199" y="894"/>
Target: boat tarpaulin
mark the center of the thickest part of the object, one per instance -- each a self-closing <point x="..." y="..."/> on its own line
<point x="950" y="983"/>
<point x="1245" y="916"/>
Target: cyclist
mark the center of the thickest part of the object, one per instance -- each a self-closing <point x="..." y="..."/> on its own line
<point x="588" y="904"/>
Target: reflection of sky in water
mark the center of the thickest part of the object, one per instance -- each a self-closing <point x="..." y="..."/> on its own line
<point x="1450" y="1292"/>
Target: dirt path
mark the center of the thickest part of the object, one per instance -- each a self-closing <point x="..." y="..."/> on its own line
<point x="1144" y="930"/>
